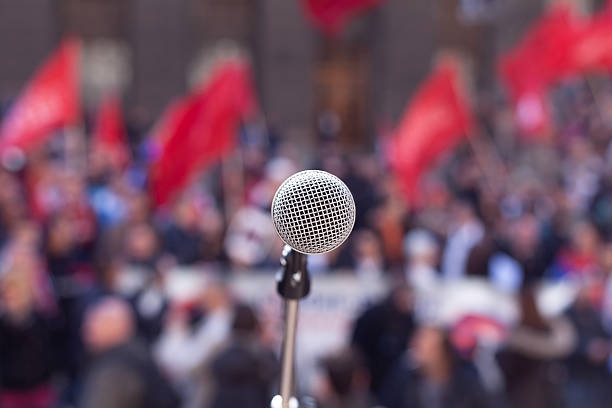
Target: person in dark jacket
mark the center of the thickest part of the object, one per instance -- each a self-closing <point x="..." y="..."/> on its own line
<point x="346" y="382"/>
<point x="184" y="239"/>
<point x="27" y="340"/>
<point x="433" y="377"/>
<point x="531" y="356"/>
<point x="243" y="371"/>
<point x="382" y="332"/>
<point x="121" y="374"/>
<point x="589" y="378"/>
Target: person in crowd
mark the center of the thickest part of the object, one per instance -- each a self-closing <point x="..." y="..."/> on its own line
<point x="605" y="261"/>
<point x="121" y="373"/>
<point x="346" y="381"/>
<point x="588" y="370"/>
<point x="141" y="247"/>
<point x="149" y="298"/>
<point x="244" y="369"/>
<point x="388" y="220"/>
<point x="368" y="259"/>
<point x="364" y="172"/>
<point x="68" y="265"/>
<point x="581" y="171"/>
<point x="183" y="238"/>
<point x="185" y="350"/>
<point x="579" y="260"/>
<point x="432" y="376"/>
<point x="134" y="209"/>
<point x="526" y="247"/>
<point x="108" y="199"/>
<point x="382" y="332"/>
<point x="422" y="253"/>
<point x="467" y="232"/>
<point x="602" y="201"/>
<point x="532" y="354"/>
<point x="28" y="344"/>
<point x="12" y="204"/>
<point x="74" y="279"/>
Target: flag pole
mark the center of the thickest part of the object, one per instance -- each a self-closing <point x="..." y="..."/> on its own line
<point x="481" y="162"/>
<point x="232" y="192"/>
<point x="467" y="86"/>
<point x="596" y="99"/>
<point x="74" y="148"/>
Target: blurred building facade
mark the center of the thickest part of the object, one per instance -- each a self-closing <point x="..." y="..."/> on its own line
<point x="308" y="84"/>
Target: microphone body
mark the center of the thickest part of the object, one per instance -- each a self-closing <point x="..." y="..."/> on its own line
<point x="313" y="212"/>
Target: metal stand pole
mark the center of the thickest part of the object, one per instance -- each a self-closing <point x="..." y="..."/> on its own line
<point x="288" y="354"/>
<point x="293" y="284"/>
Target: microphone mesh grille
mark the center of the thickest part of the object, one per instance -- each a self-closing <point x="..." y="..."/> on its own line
<point x="313" y="211"/>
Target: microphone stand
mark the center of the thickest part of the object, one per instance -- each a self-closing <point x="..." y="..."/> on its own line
<point x="292" y="284"/>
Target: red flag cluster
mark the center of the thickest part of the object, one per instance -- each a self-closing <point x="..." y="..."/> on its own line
<point x="194" y="132"/>
<point x="534" y="64"/>
<point x="436" y="119"/>
<point x="50" y="101"/>
<point x="557" y="46"/>
<point x="201" y="128"/>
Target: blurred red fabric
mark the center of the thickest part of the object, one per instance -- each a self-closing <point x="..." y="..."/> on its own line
<point x="109" y="136"/>
<point x="592" y="50"/>
<point x="202" y="128"/>
<point x="50" y="101"/>
<point x="540" y="59"/>
<point x="435" y="120"/>
<point x="39" y="397"/>
<point x="331" y="15"/>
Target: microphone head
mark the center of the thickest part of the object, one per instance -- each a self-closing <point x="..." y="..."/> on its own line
<point x="313" y="211"/>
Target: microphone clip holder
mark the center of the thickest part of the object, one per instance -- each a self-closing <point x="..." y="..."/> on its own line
<point x="293" y="280"/>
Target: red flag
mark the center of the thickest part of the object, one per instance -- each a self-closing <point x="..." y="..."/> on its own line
<point x="109" y="136"/>
<point x="50" y="101"/>
<point x="332" y="15"/>
<point x="202" y="129"/>
<point x="528" y="93"/>
<point x="593" y="47"/>
<point x="170" y="119"/>
<point x="436" y="119"/>
<point x="540" y="59"/>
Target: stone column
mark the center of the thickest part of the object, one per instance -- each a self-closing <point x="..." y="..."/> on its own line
<point x="159" y="41"/>
<point x="402" y="57"/>
<point x="285" y="57"/>
<point x="28" y="33"/>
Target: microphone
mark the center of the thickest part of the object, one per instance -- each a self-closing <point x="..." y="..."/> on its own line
<point x="313" y="212"/>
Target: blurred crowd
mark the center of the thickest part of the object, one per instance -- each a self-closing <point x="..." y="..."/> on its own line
<point x="87" y="319"/>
